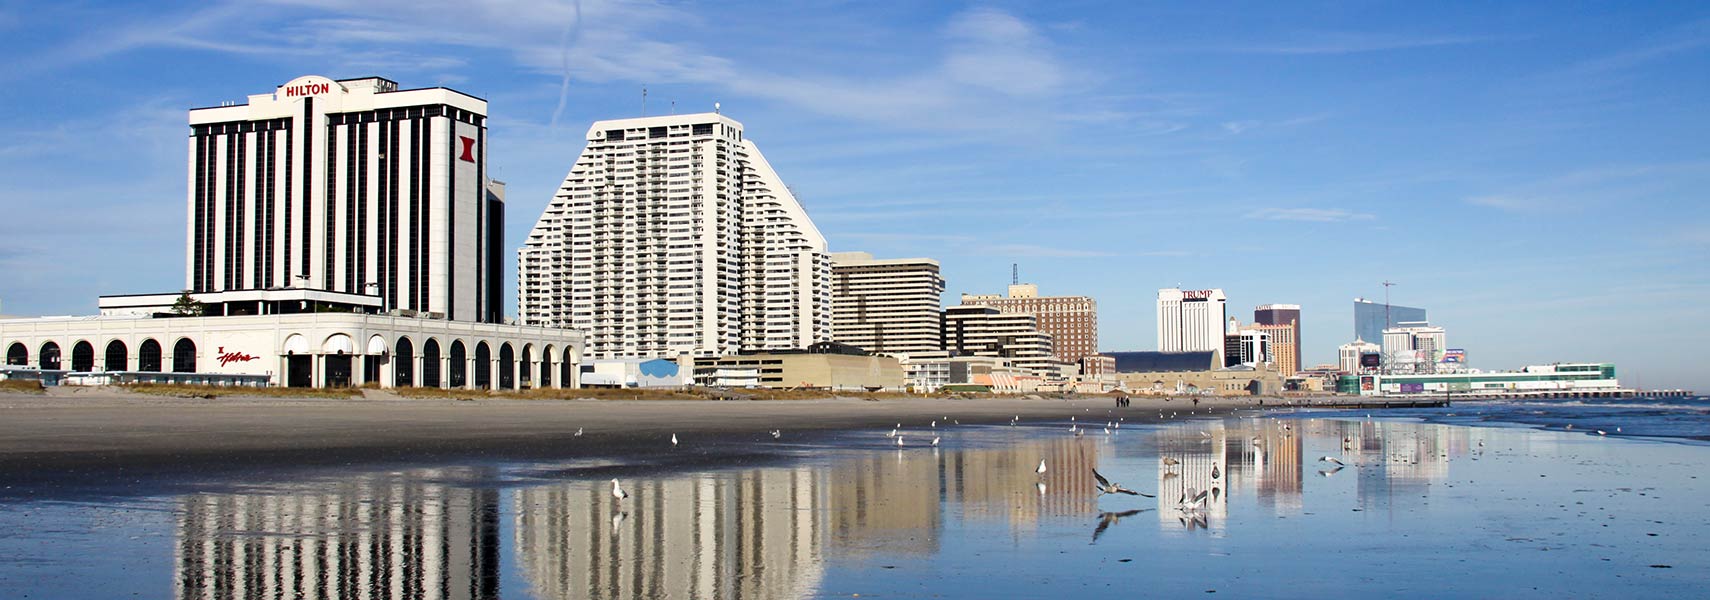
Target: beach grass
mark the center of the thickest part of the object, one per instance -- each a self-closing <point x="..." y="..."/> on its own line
<point x="216" y="391"/>
<point x="22" y="386"/>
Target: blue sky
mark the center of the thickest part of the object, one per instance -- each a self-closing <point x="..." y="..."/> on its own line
<point x="1532" y="173"/>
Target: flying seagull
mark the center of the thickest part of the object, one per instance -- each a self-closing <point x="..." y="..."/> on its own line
<point x="1105" y="520"/>
<point x="1191" y="501"/>
<point x="893" y="433"/>
<point x="617" y="492"/>
<point x="1330" y="459"/>
<point x="1106" y="487"/>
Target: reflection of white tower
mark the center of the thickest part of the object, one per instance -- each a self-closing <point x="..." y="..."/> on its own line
<point x="1199" y="456"/>
<point x="385" y="536"/>
<point x="752" y="534"/>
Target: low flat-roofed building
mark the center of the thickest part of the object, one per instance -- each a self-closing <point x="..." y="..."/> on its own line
<point x="1169" y="373"/>
<point x="791" y="370"/>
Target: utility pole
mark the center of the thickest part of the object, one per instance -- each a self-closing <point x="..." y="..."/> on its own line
<point x="1388" y="323"/>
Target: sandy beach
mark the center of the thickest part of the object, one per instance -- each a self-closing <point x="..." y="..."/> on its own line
<point x="77" y="431"/>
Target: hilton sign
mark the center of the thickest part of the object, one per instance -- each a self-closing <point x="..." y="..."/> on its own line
<point x="307" y="89"/>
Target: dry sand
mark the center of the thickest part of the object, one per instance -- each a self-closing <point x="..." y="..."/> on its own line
<point x="85" y="432"/>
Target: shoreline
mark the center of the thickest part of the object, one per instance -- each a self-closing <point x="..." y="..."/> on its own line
<point x="95" y="432"/>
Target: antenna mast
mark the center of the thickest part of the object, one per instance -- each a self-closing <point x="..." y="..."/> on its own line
<point x="644" y="101"/>
<point x="1015" y="273"/>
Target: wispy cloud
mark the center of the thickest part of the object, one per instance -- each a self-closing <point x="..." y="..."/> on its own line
<point x="1313" y="215"/>
<point x="1584" y="188"/>
<point x="1038" y="251"/>
<point x="1343" y="42"/>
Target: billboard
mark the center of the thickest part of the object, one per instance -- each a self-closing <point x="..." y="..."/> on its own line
<point x="1371" y="361"/>
<point x="1412" y="388"/>
<point x="1454" y="355"/>
<point x="1366" y="383"/>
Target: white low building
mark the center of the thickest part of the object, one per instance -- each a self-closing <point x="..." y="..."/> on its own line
<point x="305" y="349"/>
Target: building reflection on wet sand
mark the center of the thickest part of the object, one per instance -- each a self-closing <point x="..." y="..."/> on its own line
<point x="416" y="535"/>
<point x="755" y="533"/>
<point x="765" y="533"/>
<point x="1392" y="462"/>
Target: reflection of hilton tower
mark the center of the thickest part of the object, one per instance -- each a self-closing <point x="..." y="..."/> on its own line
<point x="1199" y="457"/>
<point x="749" y="534"/>
<point x="372" y="537"/>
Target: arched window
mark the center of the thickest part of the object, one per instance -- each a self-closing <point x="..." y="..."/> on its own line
<point x="430" y="363"/>
<point x="48" y="359"/>
<point x="507" y="357"/>
<point x="184" y="356"/>
<point x="483" y="366"/>
<point x="83" y="357"/>
<point x="545" y="368"/>
<point x="17" y="355"/>
<point x="148" y="356"/>
<point x="459" y="365"/>
<point x="404" y="364"/>
<point x="525" y="368"/>
<point x="117" y="357"/>
<point x="564" y="369"/>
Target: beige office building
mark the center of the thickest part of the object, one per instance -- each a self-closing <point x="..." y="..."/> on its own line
<point x="975" y="330"/>
<point x="1284" y="351"/>
<point x="887" y="306"/>
<point x="1071" y="321"/>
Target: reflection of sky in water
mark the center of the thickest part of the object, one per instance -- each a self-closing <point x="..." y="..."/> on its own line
<point x="1419" y="510"/>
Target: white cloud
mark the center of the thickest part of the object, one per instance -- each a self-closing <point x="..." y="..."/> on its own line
<point x="1313" y="215"/>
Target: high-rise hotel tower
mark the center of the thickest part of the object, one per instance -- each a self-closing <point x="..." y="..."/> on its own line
<point x="1191" y="320"/>
<point x="672" y="234"/>
<point x="349" y="186"/>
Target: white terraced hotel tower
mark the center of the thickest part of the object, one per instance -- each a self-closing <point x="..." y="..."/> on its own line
<point x="673" y="235"/>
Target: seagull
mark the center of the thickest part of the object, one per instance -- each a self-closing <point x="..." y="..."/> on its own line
<point x="1170" y="462"/>
<point x="1204" y="434"/>
<point x="673" y="440"/>
<point x="935" y="440"/>
<point x="893" y="433"/>
<point x="934" y="424"/>
<point x="617" y="492"/>
<point x="1041" y="487"/>
<point x="1191" y="501"/>
<point x="617" y="521"/>
<point x="1330" y="459"/>
<point x="1105" y="520"/>
<point x="1106" y="487"/>
<point x="578" y="432"/>
<point x="1570" y="426"/>
<point x="1041" y="469"/>
<point x="1600" y="432"/>
<point x="1214" y="472"/>
<point x="777" y="433"/>
<point x="1330" y="472"/>
<point x="899" y="440"/>
<point x="1079" y="433"/>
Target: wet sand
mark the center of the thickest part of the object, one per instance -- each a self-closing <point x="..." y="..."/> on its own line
<point x="92" y="432"/>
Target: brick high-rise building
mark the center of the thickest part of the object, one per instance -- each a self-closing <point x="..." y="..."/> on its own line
<point x="1072" y="321"/>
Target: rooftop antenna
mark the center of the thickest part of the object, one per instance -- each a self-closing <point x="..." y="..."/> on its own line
<point x="715" y="108"/>
<point x="1014" y="273"/>
<point x="1387" y="322"/>
<point x="673" y="107"/>
<point x="644" y="101"/>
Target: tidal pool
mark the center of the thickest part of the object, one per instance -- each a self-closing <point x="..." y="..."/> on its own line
<point x="1414" y="509"/>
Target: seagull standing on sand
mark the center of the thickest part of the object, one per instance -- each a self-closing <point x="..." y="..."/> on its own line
<point x="899" y="441"/>
<point x="1106" y="487"/>
<point x="1041" y="469"/>
<point x="1170" y="462"/>
<point x="777" y="433"/>
<point x="673" y="440"/>
<point x="578" y="432"/>
<point x="617" y="492"/>
<point x="935" y="440"/>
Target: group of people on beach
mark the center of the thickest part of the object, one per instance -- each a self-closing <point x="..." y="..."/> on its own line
<point x="1122" y="401"/>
